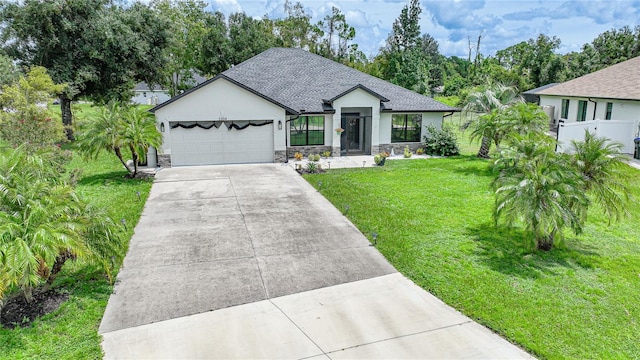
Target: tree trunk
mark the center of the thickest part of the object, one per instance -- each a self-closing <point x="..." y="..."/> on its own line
<point x="57" y="267"/>
<point x="134" y="155"/>
<point x="119" y="155"/>
<point x="545" y="243"/>
<point x="67" y="117"/>
<point x="484" y="148"/>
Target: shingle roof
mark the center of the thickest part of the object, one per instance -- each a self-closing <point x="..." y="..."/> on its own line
<point x="620" y="81"/>
<point x="304" y="82"/>
<point x="535" y="91"/>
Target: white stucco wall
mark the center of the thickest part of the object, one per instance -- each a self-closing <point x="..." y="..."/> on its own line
<point x="356" y="99"/>
<point x="149" y="97"/>
<point x="622" y="109"/>
<point x="222" y="100"/>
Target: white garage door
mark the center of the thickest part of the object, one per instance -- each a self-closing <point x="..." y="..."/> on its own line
<point x="197" y="146"/>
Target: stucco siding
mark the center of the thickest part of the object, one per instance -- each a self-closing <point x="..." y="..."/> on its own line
<point x="222" y="100"/>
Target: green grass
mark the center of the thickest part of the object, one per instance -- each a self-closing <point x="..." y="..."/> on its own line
<point x="71" y="331"/>
<point x="434" y="222"/>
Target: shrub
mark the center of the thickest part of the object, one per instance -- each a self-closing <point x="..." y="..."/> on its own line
<point x="314" y="157"/>
<point x="441" y="142"/>
<point x="298" y="156"/>
<point x="26" y="119"/>
<point x="419" y="151"/>
<point x="312" y="167"/>
<point x="326" y="154"/>
<point x="407" y="152"/>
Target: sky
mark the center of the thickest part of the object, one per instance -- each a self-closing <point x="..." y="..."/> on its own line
<point x="451" y="22"/>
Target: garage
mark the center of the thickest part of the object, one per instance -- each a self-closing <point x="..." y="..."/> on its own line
<point x="221" y="142"/>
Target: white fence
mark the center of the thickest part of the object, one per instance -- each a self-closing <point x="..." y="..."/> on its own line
<point x="622" y="131"/>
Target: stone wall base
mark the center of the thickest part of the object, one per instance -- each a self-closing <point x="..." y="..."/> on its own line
<point x="398" y="148"/>
<point x="335" y="151"/>
<point x="280" y="156"/>
<point x="311" y="149"/>
<point x="164" y="160"/>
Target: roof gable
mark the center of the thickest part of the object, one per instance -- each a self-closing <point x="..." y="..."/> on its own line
<point x="619" y="81"/>
<point x="221" y="76"/>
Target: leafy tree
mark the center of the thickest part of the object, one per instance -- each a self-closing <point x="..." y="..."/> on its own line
<point x="535" y="59"/>
<point x="337" y="34"/>
<point x="8" y="71"/>
<point x="485" y="101"/>
<point x="296" y="30"/>
<point x="43" y="223"/>
<point x="188" y="27"/>
<point x="248" y="37"/>
<point x="404" y="65"/>
<point x="118" y="127"/>
<point x="215" y="53"/>
<point x="27" y="120"/>
<point x="599" y="162"/>
<point x="98" y="49"/>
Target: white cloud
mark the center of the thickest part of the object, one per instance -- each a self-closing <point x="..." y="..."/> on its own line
<point x="450" y="22"/>
<point x="226" y="6"/>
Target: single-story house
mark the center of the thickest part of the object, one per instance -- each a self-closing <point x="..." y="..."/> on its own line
<point x="146" y="95"/>
<point x="284" y="101"/>
<point x="606" y="102"/>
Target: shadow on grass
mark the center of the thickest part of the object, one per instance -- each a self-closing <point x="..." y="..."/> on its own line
<point x="114" y="177"/>
<point x="507" y="251"/>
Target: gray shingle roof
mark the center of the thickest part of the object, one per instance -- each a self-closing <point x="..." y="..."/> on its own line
<point x="619" y="81"/>
<point x="301" y="81"/>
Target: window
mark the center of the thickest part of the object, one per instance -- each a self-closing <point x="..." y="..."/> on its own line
<point x="607" y="116"/>
<point x="582" y="110"/>
<point x="564" y="113"/>
<point x="307" y="130"/>
<point x="405" y="127"/>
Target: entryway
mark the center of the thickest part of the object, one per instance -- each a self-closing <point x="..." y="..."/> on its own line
<point x="354" y="139"/>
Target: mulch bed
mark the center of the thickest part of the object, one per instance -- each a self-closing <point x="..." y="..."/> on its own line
<point x="17" y="312"/>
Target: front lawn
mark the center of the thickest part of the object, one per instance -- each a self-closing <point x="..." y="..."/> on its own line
<point x="434" y="224"/>
<point x="71" y="332"/>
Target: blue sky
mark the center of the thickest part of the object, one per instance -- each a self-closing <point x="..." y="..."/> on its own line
<point x="450" y="22"/>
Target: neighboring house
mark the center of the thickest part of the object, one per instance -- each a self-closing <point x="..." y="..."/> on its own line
<point x="606" y="102"/>
<point x="287" y="100"/>
<point x="145" y="95"/>
<point x="531" y="96"/>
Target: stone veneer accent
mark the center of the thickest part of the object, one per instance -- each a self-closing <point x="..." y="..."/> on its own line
<point x="398" y="148"/>
<point x="164" y="160"/>
<point x="311" y="149"/>
<point x="335" y="151"/>
<point x="280" y="156"/>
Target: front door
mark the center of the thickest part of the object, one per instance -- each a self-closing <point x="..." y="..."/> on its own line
<point x="350" y="140"/>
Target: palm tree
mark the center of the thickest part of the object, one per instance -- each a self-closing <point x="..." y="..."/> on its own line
<point x="537" y="188"/>
<point x="103" y="133"/>
<point x="43" y="223"/>
<point x="495" y="97"/>
<point x="139" y="133"/>
<point x="599" y="161"/>
<point x="117" y="127"/>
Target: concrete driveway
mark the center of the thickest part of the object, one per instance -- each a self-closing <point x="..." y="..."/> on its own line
<point x="249" y="261"/>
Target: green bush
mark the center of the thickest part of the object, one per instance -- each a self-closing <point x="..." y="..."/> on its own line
<point x="441" y="142"/>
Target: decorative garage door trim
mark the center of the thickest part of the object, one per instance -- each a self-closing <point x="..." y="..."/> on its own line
<point x="238" y="125"/>
<point x="221" y="142"/>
